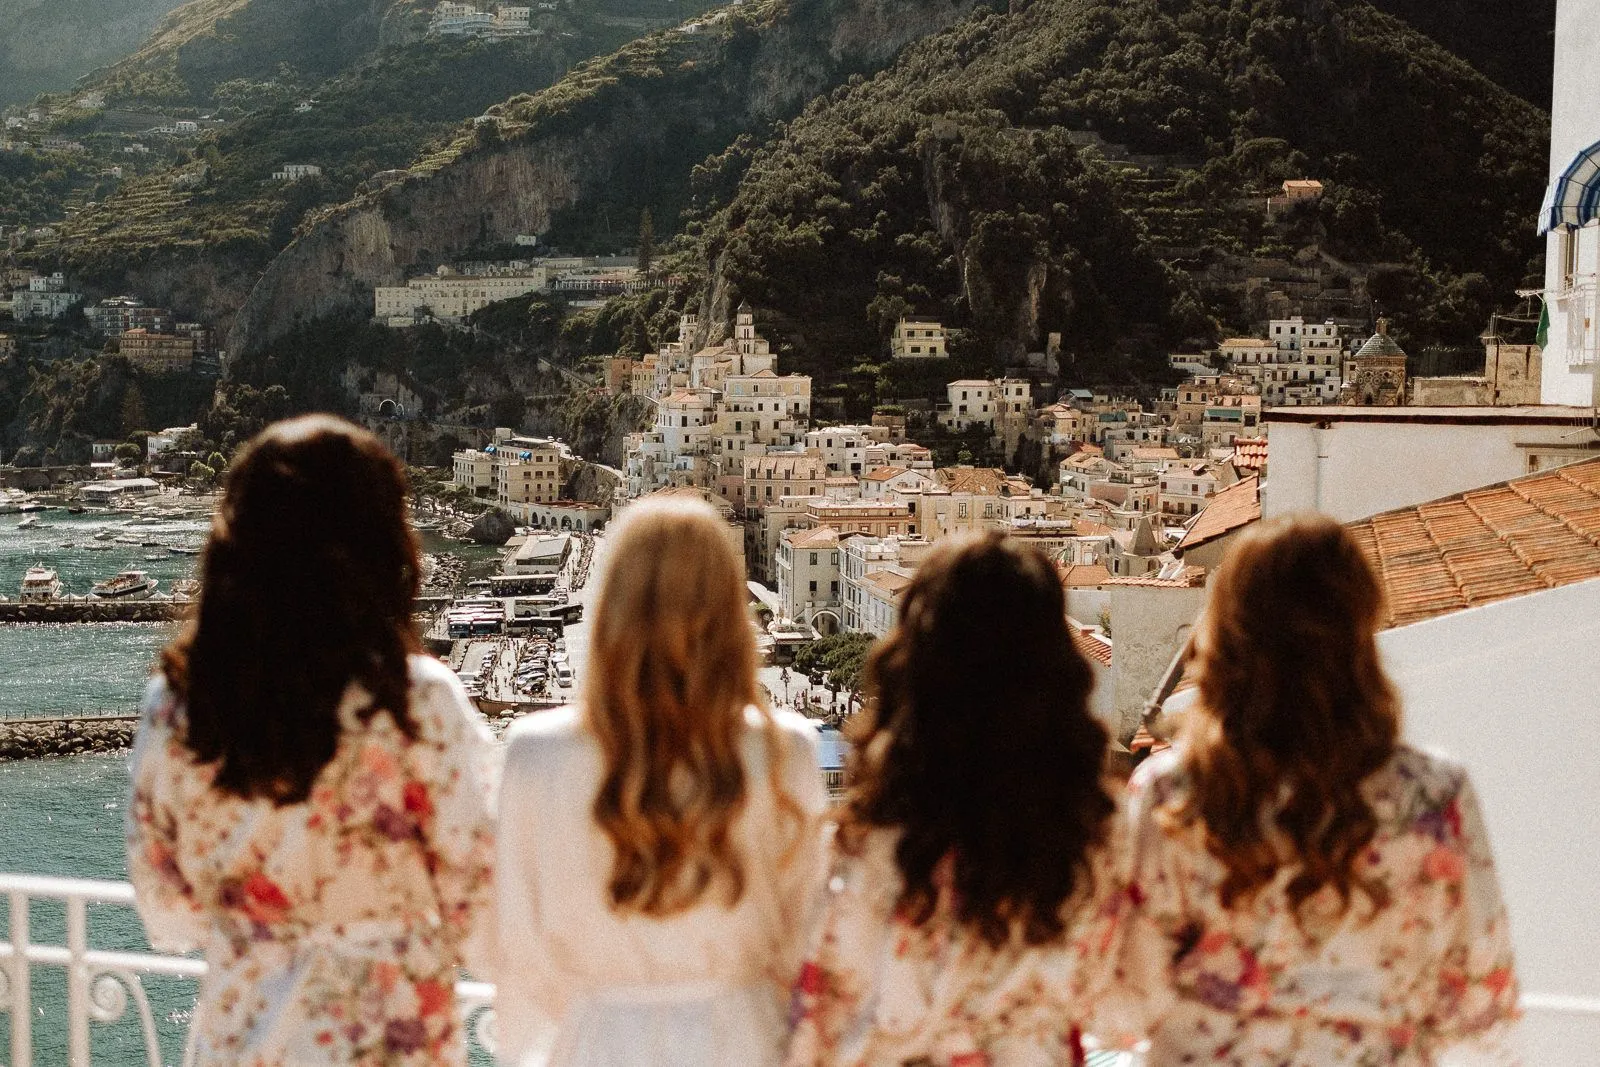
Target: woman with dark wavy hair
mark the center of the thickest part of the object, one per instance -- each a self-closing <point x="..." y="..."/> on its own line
<point x="968" y="849"/>
<point x="1304" y="888"/>
<point x="311" y="799"/>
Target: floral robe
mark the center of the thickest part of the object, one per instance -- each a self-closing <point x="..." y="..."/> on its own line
<point x="879" y="991"/>
<point x="1391" y="981"/>
<point x="333" y="928"/>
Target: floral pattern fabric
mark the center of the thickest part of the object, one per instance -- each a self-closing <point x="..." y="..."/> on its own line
<point x="333" y="929"/>
<point x="1422" y="963"/>
<point x="880" y="990"/>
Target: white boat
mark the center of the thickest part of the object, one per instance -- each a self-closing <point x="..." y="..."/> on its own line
<point x="28" y="523"/>
<point x="11" y="501"/>
<point x="129" y="585"/>
<point x="29" y="506"/>
<point x="105" y="535"/>
<point x="39" y="585"/>
<point x="185" y="589"/>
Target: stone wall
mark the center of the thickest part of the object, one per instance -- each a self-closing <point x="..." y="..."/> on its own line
<point x="31" y="738"/>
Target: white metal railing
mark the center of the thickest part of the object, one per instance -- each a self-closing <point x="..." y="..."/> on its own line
<point x="101" y="983"/>
<point x="1579" y="304"/>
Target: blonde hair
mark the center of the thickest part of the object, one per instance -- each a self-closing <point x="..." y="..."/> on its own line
<point x="672" y="669"/>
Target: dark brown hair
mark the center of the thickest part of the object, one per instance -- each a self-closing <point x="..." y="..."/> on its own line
<point x="306" y="586"/>
<point x="1294" y="711"/>
<point x="979" y="745"/>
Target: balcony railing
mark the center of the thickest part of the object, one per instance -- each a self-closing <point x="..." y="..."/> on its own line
<point x="102" y="984"/>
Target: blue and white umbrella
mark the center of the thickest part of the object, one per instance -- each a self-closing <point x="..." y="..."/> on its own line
<point x="1574" y="198"/>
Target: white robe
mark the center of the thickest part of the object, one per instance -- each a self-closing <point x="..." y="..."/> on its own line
<point x="580" y="985"/>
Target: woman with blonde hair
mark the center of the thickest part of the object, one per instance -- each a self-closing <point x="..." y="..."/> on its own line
<point x="659" y="845"/>
<point x="1303" y="886"/>
<point x="967" y="860"/>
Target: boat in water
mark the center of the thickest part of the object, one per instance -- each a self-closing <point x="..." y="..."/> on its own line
<point x="28" y="523"/>
<point x="30" y="506"/>
<point x="183" y="550"/>
<point x="105" y="535"/>
<point x="76" y="509"/>
<point x="129" y="585"/>
<point x="39" y="585"/>
<point x="185" y="589"/>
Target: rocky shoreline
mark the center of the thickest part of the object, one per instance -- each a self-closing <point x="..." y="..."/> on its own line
<point x="33" y="738"/>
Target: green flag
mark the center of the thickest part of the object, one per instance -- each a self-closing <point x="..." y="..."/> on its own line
<point x="1543" y="336"/>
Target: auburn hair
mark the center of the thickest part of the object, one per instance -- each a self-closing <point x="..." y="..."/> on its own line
<point x="672" y="670"/>
<point x="1294" y="712"/>
<point x="307" y="584"/>
<point x="979" y="747"/>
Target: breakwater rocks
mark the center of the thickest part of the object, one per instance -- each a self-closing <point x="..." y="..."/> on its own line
<point x="32" y="738"/>
<point x="95" y="611"/>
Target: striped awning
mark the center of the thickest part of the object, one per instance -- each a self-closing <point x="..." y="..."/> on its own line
<point x="1573" y="198"/>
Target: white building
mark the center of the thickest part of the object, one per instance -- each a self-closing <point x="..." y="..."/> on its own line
<point x="473" y="469"/>
<point x="1572" y="256"/>
<point x="918" y="339"/>
<point x="1299" y="362"/>
<point x="861" y="558"/>
<point x="46" y="297"/>
<point x="450" y="297"/>
<point x="293" y="172"/>
<point x="1351" y="462"/>
<point x="808" y="578"/>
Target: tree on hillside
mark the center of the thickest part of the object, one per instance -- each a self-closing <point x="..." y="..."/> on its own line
<point x="647" y="241"/>
<point x="133" y="413"/>
<point x="128" y="454"/>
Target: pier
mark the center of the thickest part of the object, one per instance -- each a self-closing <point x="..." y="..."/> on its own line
<point x="87" y="610"/>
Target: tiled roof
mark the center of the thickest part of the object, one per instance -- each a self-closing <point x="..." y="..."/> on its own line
<point x="1236" y="506"/>
<point x="1246" y="342"/>
<point x="1501" y="541"/>
<point x="890" y="582"/>
<point x="1250" y="453"/>
<point x="819" y="537"/>
<point x="1084" y="575"/>
<point x="1191" y="578"/>
<point x="983" y="481"/>
<point x="1093" y="646"/>
<point x="1155" y="453"/>
<point x="884" y="474"/>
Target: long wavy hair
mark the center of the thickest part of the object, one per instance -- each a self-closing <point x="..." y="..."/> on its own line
<point x="979" y="746"/>
<point x="672" y="668"/>
<point x="1294" y="712"/>
<point x="306" y="586"/>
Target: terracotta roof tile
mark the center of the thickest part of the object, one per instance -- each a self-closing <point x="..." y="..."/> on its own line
<point x="1084" y="575"/>
<point x="1250" y="453"/>
<point x="1489" y="544"/>
<point x="1191" y="578"/>
<point x="1095" y="648"/>
<point x="1237" y="505"/>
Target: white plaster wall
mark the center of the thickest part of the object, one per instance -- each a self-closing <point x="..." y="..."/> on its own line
<point x="1513" y="690"/>
<point x="1574" y="126"/>
<point x="1148" y="623"/>
<point x="1086" y="604"/>
<point x="1355" y="469"/>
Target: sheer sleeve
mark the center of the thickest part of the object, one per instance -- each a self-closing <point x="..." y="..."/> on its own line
<point x="173" y="918"/>
<point x="530" y="997"/>
<point x="452" y="793"/>
<point x="801" y="877"/>
<point x="830" y="993"/>
<point x="1477" y="985"/>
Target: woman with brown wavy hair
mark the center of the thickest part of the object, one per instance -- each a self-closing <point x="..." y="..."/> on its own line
<point x="966" y="861"/>
<point x="657" y="842"/>
<point x="311" y="799"/>
<point x="1304" y="888"/>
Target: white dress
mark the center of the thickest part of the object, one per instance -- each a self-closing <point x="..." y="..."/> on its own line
<point x="582" y="986"/>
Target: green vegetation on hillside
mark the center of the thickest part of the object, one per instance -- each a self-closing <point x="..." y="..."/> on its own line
<point x="949" y="184"/>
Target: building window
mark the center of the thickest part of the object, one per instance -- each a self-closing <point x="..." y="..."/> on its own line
<point x="813" y="587"/>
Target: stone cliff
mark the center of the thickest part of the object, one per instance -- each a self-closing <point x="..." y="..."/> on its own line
<point x="740" y="70"/>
